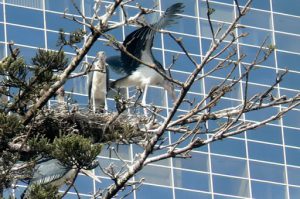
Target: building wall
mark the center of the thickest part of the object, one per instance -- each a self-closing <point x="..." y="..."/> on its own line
<point x="264" y="163"/>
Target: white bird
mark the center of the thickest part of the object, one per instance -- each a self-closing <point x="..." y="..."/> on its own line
<point x="98" y="83"/>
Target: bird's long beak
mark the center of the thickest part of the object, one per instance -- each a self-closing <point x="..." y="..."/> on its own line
<point x="90" y="174"/>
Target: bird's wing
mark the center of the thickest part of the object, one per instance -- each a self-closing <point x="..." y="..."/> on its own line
<point x="141" y="40"/>
<point x="47" y="171"/>
<point x="169" y="17"/>
<point x="115" y="63"/>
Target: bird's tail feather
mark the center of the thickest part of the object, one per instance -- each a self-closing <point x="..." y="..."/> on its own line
<point x="169" y="16"/>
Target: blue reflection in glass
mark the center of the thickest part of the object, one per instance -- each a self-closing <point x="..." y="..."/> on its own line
<point x="292" y="156"/>
<point x="282" y="44"/>
<point x="176" y="136"/>
<point x="229" y="147"/>
<point x="259" y="115"/>
<point x="185" y="25"/>
<point x="292" y="7"/>
<point x="156" y="175"/>
<point x="265" y="5"/>
<point x="292" y="137"/>
<point x="262" y="190"/>
<point x="294" y="192"/>
<point x="254" y="89"/>
<point x="294" y="175"/>
<point x="262" y="75"/>
<point x="198" y="162"/>
<point x="229" y="166"/>
<point x="24" y="16"/>
<point x="222" y="12"/>
<point x="26" y="36"/>
<point x="251" y="53"/>
<point x="265" y="152"/>
<point x="291" y="81"/>
<point x="62" y="5"/>
<point x="191" y="44"/>
<point x="257" y="18"/>
<point x="191" y="180"/>
<point x="266" y="133"/>
<point x="182" y="63"/>
<point x="2" y="32"/>
<point x="56" y="21"/>
<point x="1" y="13"/>
<point x="189" y="9"/>
<point x="292" y="118"/>
<point x="287" y="23"/>
<point x="150" y="192"/>
<point x="206" y="43"/>
<point x="191" y="195"/>
<point x="223" y="72"/>
<point x="255" y="36"/>
<point x="231" y="186"/>
<point x="84" y="184"/>
<point x="269" y="172"/>
<point x="89" y="11"/>
<point x="27" y="53"/>
<point x="288" y="60"/>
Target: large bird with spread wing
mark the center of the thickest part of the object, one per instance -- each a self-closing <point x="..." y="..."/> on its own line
<point x="139" y="43"/>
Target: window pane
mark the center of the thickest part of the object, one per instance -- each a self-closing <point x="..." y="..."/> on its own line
<point x="266" y="190"/>
<point x="294" y="175"/>
<point x="27" y="3"/>
<point x="231" y="186"/>
<point x="255" y="36"/>
<point x="198" y="162"/>
<point x="26" y="36"/>
<point x="257" y="18"/>
<point x="291" y="81"/>
<point x="189" y="9"/>
<point x="55" y="22"/>
<point x="265" y="152"/>
<point x="289" y="61"/>
<point x="282" y="44"/>
<point x="292" y="156"/>
<point x="294" y="192"/>
<point x="292" y="118"/>
<point x="24" y="16"/>
<point x="191" y="43"/>
<point x="262" y="75"/>
<point x="251" y="53"/>
<point x="257" y="4"/>
<point x="1" y="13"/>
<point x="62" y="5"/>
<point x="262" y="114"/>
<point x="292" y="137"/>
<point x="269" y="172"/>
<point x="150" y="192"/>
<point x="229" y="166"/>
<point x="266" y="133"/>
<point x="292" y="7"/>
<point x="185" y="25"/>
<point x="237" y="147"/>
<point x="1" y="32"/>
<point x="222" y="12"/>
<point x="191" y="180"/>
<point x="287" y="23"/>
<point x="191" y="195"/>
<point x="156" y="175"/>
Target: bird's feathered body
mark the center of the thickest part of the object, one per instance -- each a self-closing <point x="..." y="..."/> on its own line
<point x="50" y="171"/>
<point x="139" y="43"/>
<point x="98" y="83"/>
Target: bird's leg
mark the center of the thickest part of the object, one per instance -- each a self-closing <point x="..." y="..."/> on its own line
<point x="144" y="98"/>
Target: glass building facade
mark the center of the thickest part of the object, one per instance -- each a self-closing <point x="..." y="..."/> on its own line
<point x="263" y="163"/>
